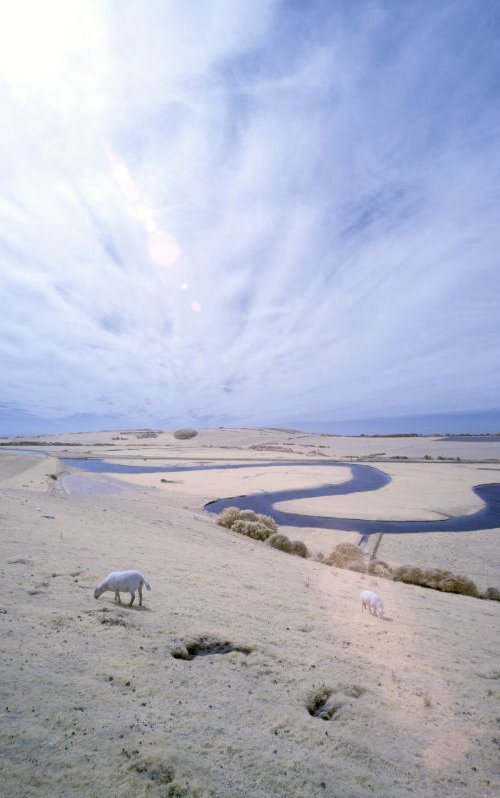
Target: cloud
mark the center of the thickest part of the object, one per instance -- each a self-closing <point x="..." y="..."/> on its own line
<point x="252" y="211"/>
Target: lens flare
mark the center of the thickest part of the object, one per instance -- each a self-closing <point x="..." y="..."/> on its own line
<point x="163" y="248"/>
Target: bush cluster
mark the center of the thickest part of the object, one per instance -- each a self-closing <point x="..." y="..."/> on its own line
<point x="347" y="555"/>
<point x="184" y="434"/>
<point x="247" y="522"/>
<point x="380" y="568"/>
<point x="300" y="549"/>
<point x="231" y="515"/>
<point x="281" y="542"/>
<point x="228" y="516"/>
<point x="350" y="556"/>
<point x="259" y="527"/>
<point x="436" y="579"/>
<point x="252" y="529"/>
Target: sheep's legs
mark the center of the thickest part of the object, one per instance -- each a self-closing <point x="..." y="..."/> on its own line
<point x="117" y="597"/>
<point x="132" y="597"/>
<point x="140" y="595"/>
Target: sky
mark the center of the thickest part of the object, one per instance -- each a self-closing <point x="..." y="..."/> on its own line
<point x="248" y="212"/>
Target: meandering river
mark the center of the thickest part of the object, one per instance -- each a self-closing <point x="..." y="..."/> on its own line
<point x="363" y="478"/>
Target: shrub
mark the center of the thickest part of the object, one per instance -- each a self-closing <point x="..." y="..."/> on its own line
<point x="247" y="515"/>
<point x="232" y="514"/>
<point x="281" y="542"/>
<point x="228" y="516"/>
<point x="344" y="555"/>
<point x="408" y="574"/>
<point x="459" y="584"/>
<point x="358" y="566"/>
<point x="184" y="434"/>
<point x="259" y="527"/>
<point x="380" y="568"/>
<point x="299" y="548"/>
<point x="146" y="434"/>
<point x="267" y="521"/>
<point x="251" y="515"/>
<point x="252" y="529"/>
<point x="492" y="594"/>
<point x="436" y="579"/>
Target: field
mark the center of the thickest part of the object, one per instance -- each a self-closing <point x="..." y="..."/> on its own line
<point x="95" y="702"/>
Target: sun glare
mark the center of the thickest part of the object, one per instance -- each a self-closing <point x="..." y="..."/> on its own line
<point x="52" y="47"/>
<point x="163" y="248"/>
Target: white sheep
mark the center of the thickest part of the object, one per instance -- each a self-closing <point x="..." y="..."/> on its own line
<point x="127" y="581"/>
<point x="373" y="603"/>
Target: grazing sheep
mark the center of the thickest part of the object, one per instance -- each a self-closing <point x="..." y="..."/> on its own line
<point x="373" y="603"/>
<point x="127" y="581"/>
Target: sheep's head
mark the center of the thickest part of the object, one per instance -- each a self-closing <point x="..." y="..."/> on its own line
<point x="97" y="592"/>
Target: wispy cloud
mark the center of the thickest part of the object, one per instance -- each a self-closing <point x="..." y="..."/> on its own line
<point x="249" y="211"/>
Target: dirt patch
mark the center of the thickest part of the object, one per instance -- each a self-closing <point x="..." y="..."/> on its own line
<point x="203" y="646"/>
<point x="326" y="702"/>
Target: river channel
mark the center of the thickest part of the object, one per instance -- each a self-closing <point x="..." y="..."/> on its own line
<point x="363" y="478"/>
